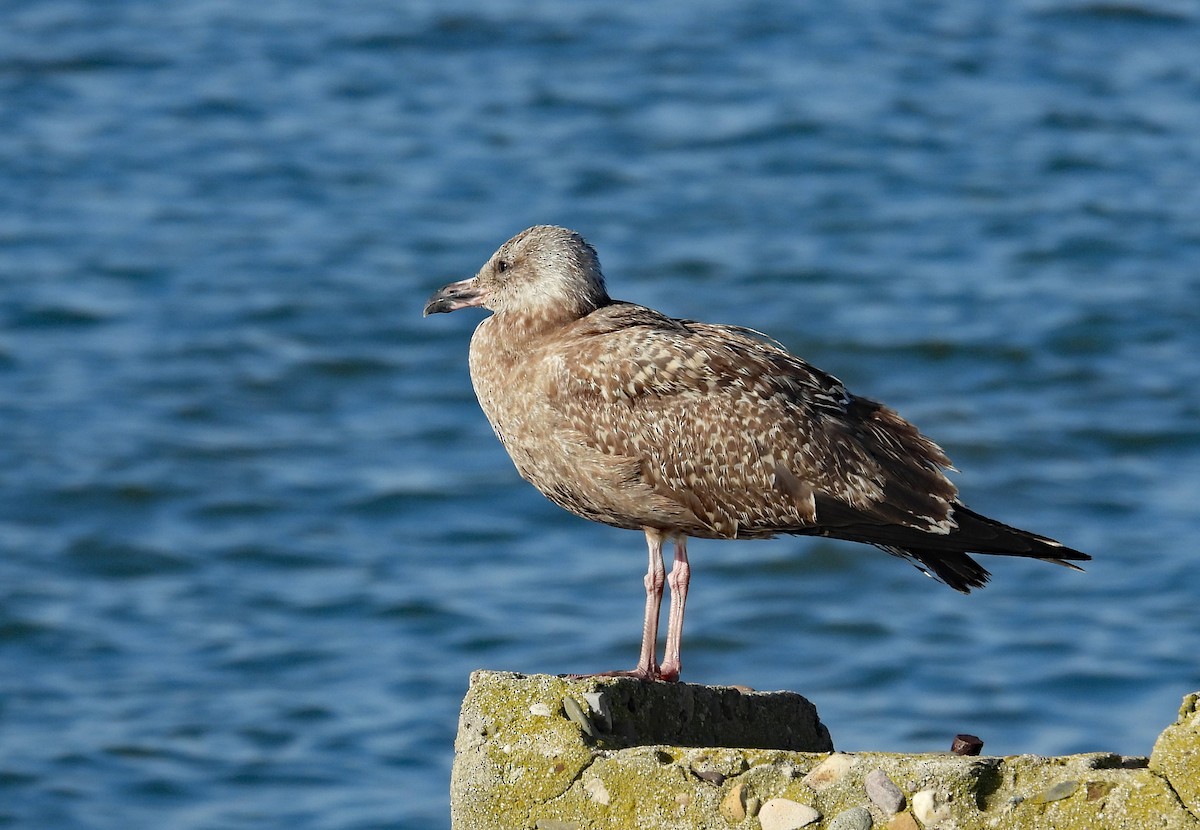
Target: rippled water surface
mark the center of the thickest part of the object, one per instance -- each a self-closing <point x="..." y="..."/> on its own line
<point x="254" y="530"/>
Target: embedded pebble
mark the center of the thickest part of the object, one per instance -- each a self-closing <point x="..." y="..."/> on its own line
<point x="733" y="806"/>
<point x="598" y="703"/>
<point x="903" y="821"/>
<point x="1058" y="792"/>
<point x="596" y="790"/>
<point x="682" y="801"/>
<point x="883" y="792"/>
<point x="753" y="805"/>
<point x="785" y="814"/>
<point x="856" y="818"/>
<point x="828" y="772"/>
<point x="575" y="713"/>
<point x="711" y="776"/>
<point x="1098" y="789"/>
<point x="555" y="824"/>
<point x="540" y="709"/>
<point x="930" y="807"/>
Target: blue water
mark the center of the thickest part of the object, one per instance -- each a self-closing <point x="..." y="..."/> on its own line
<point x="254" y="530"/>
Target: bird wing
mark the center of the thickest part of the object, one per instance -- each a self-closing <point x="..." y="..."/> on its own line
<point x="748" y="437"/>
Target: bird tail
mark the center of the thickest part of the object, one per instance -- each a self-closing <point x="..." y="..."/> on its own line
<point x="945" y="557"/>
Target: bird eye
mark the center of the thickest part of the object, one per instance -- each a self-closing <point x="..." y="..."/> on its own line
<point x="502" y="265"/>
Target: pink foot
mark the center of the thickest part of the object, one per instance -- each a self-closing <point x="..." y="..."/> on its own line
<point x="643" y="674"/>
<point x="669" y="672"/>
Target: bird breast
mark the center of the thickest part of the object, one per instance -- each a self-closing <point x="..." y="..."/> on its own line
<point x="510" y="377"/>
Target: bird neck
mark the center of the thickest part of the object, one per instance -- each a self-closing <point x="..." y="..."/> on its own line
<point x="537" y="321"/>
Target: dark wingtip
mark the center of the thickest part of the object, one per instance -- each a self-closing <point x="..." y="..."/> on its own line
<point x="962" y="573"/>
<point x="955" y="569"/>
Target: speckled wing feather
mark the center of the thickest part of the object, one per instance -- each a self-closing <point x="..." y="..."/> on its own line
<point x="748" y="438"/>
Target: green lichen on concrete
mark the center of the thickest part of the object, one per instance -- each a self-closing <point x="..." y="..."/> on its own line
<point x="525" y="741"/>
<point x="508" y="758"/>
<point x="656" y="788"/>
<point x="1093" y="790"/>
<point x="1176" y="754"/>
<point x="518" y="768"/>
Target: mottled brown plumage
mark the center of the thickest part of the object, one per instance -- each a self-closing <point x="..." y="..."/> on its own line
<point x="624" y="416"/>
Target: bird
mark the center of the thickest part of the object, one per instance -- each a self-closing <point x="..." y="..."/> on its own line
<point x="623" y="415"/>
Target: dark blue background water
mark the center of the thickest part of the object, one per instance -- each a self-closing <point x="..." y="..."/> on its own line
<point x="255" y="532"/>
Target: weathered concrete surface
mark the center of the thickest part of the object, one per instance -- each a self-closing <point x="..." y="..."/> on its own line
<point x="1176" y="754"/>
<point x="524" y="741"/>
<point x="544" y="753"/>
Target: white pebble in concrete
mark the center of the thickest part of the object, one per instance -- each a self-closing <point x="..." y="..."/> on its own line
<point x="930" y="807"/>
<point x="596" y="790"/>
<point x="785" y="814"/>
<point x="828" y="772"/>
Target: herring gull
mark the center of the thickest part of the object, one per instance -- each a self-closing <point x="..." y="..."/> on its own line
<point x="677" y="428"/>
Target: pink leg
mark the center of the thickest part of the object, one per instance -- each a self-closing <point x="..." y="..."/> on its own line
<point x="681" y="573"/>
<point x="647" y="667"/>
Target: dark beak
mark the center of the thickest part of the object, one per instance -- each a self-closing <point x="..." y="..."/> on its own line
<point x="456" y="295"/>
